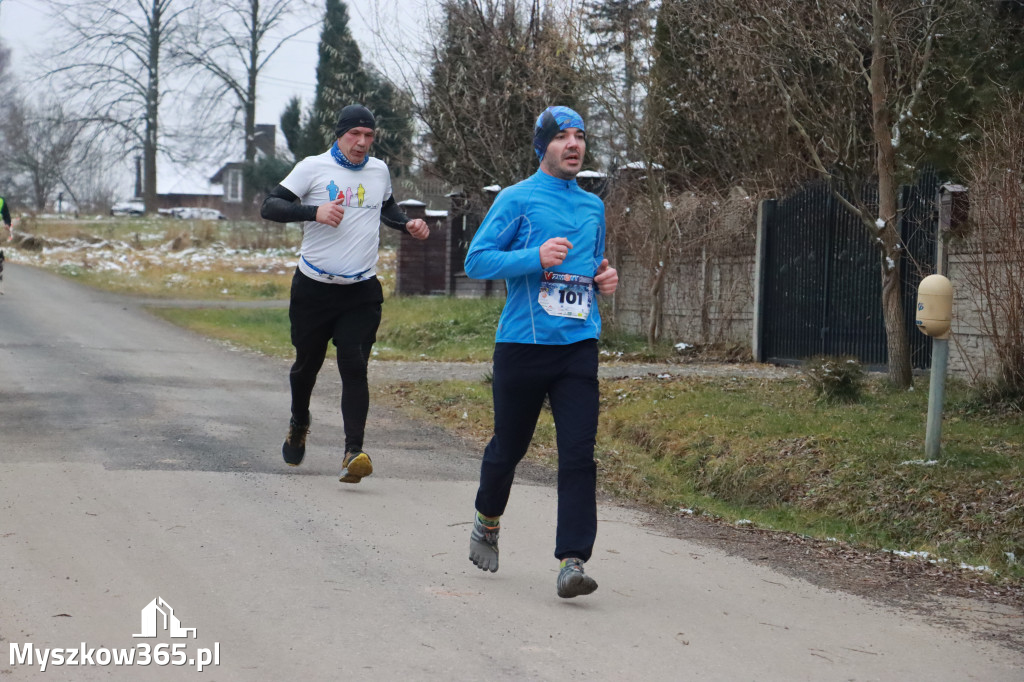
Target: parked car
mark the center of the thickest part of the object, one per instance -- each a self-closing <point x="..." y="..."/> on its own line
<point x="193" y="213"/>
<point x="123" y="208"/>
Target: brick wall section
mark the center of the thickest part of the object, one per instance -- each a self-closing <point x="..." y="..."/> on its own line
<point x="422" y="264"/>
<point x="464" y="287"/>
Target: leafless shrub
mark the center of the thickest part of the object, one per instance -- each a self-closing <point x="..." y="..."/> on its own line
<point x="690" y="249"/>
<point x="993" y="250"/>
<point x="835" y="379"/>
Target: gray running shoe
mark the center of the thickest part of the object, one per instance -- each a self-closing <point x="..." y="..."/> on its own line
<point x="483" y="545"/>
<point x="294" y="447"/>
<point x="572" y="581"/>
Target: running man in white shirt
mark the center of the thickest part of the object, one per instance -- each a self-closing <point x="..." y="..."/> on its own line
<point x="341" y="197"/>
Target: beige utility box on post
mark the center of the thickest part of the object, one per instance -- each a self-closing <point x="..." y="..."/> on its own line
<point x="935" y="306"/>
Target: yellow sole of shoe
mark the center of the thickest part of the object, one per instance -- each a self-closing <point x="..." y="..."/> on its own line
<point x="360" y="467"/>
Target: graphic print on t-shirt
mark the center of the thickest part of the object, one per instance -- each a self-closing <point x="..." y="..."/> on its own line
<point x="360" y="194"/>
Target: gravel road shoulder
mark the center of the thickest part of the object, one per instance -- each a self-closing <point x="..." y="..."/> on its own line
<point x="385" y="371"/>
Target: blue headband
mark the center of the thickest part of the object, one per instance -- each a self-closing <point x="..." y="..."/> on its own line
<point x="552" y="120"/>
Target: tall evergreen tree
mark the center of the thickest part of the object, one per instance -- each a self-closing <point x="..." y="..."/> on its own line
<point x="343" y="79"/>
<point x="704" y="103"/>
<point x="291" y="128"/>
<point x="979" y="64"/>
<point x="499" y="63"/>
<point x="392" y="109"/>
<point x="340" y="77"/>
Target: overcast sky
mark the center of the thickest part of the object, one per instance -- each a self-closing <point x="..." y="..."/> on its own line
<point x="25" y="27"/>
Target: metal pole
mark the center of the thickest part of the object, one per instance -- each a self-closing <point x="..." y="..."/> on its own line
<point x="936" y="395"/>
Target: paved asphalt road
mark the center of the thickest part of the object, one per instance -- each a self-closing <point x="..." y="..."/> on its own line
<point x="140" y="462"/>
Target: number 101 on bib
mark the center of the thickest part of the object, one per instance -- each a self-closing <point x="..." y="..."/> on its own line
<point x="566" y="295"/>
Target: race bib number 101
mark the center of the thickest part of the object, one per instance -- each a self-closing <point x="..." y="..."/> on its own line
<point x="566" y="295"/>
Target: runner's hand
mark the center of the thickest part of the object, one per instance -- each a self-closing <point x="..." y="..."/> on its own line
<point x="607" y="278"/>
<point x="331" y="213"/>
<point x="554" y="251"/>
<point x="417" y="227"/>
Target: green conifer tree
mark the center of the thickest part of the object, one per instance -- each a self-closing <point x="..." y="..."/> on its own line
<point x="343" y="79"/>
<point x="340" y="78"/>
<point x="291" y="127"/>
<point x="494" y="70"/>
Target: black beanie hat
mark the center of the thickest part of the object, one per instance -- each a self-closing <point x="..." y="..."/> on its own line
<point x="354" y="116"/>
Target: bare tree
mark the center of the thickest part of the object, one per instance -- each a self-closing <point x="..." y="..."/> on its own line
<point x="113" y="68"/>
<point x="43" y="146"/>
<point x="232" y="41"/>
<point x="7" y="88"/>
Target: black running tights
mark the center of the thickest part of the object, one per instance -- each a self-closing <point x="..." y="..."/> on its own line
<point x="355" y="391"/>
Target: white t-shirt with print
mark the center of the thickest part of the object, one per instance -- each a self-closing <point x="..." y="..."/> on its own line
<point x="350" y="248"/>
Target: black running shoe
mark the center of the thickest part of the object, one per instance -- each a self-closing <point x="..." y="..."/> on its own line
<point x="294" y="448"/>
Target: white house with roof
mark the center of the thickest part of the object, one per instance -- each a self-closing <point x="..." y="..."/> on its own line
<point x="218" y="186"/>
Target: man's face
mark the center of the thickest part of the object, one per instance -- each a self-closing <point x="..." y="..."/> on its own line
<point x="355" y="144"/>
<point x="564" y="157"/>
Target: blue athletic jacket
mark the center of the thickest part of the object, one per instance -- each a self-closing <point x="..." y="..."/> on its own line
<point x="507" y="246"/>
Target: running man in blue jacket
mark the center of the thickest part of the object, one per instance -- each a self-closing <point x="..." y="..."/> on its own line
<point x="545" y="237"/>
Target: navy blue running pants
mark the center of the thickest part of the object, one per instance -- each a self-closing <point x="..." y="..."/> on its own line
<point x="523" y="375"/>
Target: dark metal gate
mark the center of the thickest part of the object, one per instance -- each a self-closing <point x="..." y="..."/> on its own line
<point x="821" y="283"/>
